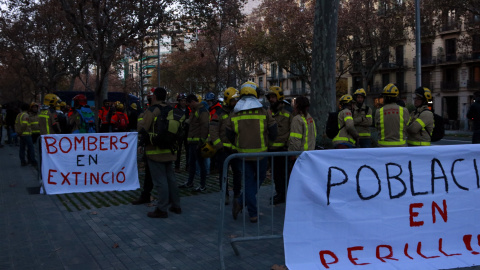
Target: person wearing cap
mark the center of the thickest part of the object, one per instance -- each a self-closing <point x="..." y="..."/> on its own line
<point x="48" y="117"/>
<point x="197" y="135"/>
<point x="391" y="120"/>
<point x="22" y="128"/>
<point x="33" y="118"/>
<point x="362" y="118"/>
<point x="347" y="136"/>
<point x="249" y="129"/>
<point x="281" y="111"/>
<point x="421" y="123"/>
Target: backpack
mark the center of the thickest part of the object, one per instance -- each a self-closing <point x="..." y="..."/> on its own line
<point x="438" y="128"/>
<point x="331" y="129"/>
<point x="121" y="123"/>
<point x="165" y="128"/>
<point x="87" y="123"/>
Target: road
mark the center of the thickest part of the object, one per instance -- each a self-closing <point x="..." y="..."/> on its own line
<point x="451" y="140"/>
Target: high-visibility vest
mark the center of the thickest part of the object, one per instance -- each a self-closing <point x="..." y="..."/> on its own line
<point x="22" y="125"/>
<point x="245" y="142"/>
<point x="401" y="140"/>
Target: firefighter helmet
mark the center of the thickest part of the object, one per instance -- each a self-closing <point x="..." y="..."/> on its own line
<point x="181" y="96"/>
<point x="118" y="105"/>
<point x="390" y="90"/>
<point x="229" y="94"/>
<point x="276" y="90"/>
<point x="80" y="99"/>
<point x="345" y="99"/>
<point x="210" y="96"/>
<point x="361" y="92"/>
<point x="207" y="150"/>
<point x="248" y="89"/>
<point x="50" y="99"/>
<point x="424" y="93"/>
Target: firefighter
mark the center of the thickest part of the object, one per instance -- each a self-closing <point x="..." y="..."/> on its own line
<point x="119" y="121"/>
<point x="197" y="135"/>
<point x="103" y="118"/>
<point x="362" y="118"/>
<point x="82" y="119"/>
<point x="33" y="118"/>
<point x="281" y="111"/>
<point x="160" y="160"/>
<point x="249" y="129"/>
<point x="219" y="142"/>
<point x="213" y="104"/>
<point x="182" y="140"/>
<point x="303" y="132"/>
<point x="421" y="124"/>
<point x="347" y="136"/>
<point x="391" y="120"/>
<point x="22" y="128"/>
<point x="48" y="117"/>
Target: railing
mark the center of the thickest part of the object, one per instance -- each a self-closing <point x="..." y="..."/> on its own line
<point x="450" y="86"/>
<point x="261" y="232"/>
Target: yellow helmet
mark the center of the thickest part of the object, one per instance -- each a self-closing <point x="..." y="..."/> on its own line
<point x="276" y="90"/>
<point x="424" y="92"/>
<point x="248" y="88"/>
<point x="63" y="104"/>
<point x="361" y="92"/>
<point x="133" y="106"/>
<point x="229" y="94"/>
<point x="199" y="97"/>
<point x="118" y="105"/>
<point x="50" y="99"/>
<point x="390" y="90"/>
<point x="207" y="150"/>
<point x="345" y="99"/>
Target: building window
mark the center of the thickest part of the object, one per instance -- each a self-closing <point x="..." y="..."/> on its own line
<point x="260" y="82"/>
<point x="476" y="46"/>
<point x="451" y="49"/>
<point x="385" y="79"/>
<point x="273" y="71"/>
<point x="294" y="87"/>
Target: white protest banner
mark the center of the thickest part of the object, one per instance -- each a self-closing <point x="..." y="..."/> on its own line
<point x="384" y="208"/>
<point x="89" y="162"/>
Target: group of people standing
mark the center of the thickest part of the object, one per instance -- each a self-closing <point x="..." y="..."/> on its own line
<point x="56" y="117"/>
<point x="241" y="124"/>
<point x="394" y="124"/>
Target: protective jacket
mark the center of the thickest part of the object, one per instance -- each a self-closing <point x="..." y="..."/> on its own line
<point x="214" y="108"/>
<point x="347" y="132"/>
<point x="153" y="152"/>
<point x="116" y="121"/>
<point x="22" y="124"/>
<point x="391" y="121"/>
<point x="198" y="120"/>
<point x="35" y="127"/>
<point x="250" y="130"/>
<point x="103" y="115"/>
<point x="303" y="133"/>
<point x="420" y="127"/>
<point x="283" y="116"/>
<point x="217" y="129"/>
<point x="48" y="121"/>
<point x="362" y="118"/>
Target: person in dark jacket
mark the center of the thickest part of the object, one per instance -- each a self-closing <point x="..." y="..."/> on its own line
<point x="474" y="115"/>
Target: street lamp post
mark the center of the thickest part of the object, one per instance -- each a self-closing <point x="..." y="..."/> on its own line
<point x="418" y="45"/>
<point x="158" y="62"/>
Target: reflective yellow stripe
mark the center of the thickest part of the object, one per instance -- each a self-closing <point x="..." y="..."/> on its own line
<point x="217" y="141"/>
<point x="158" y="151"/>
<point x="278" y="144"/>
<point x="401" y="124"/>
<point x="140" y="119"/>
<point x="296" y="135"/>
<point x="348" y="117"/>
<point x="261" y="119"/>
<point x="46" y="116"/>
<point x="305" y="145"/>
<point x="287" y="115"/>
<point x="421" y="123"/>
<point x="225" y="116"/>
<point x="34" y="123"/>
<point x="364" y="134"/>
<point x="418" y="143"/>
<point x="26" y="133"/>
<point x="229" y="145"/>
<point x="391" y="143"/>
<point x="343" y="139"/>
<point x="382" y="126"/>
<point x="369" y="116"/>
<point x="193" y="139"/>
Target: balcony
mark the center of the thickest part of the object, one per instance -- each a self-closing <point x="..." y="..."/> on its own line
<point x="471" y="57"/>
<point x="450" y="86"/>
<point x="397" y="64"/>
<point x="450" y="27"/>
<point x="448" y="59"/>
<point x="426" y="61"/>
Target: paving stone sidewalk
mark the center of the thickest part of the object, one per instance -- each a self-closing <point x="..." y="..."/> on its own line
<point x="38" y="232"/>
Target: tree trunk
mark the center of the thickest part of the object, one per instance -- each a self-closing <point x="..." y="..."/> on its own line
<point x="323" y="98"/>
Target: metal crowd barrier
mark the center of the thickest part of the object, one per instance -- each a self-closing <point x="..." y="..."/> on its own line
<point x="259" y="235"/>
